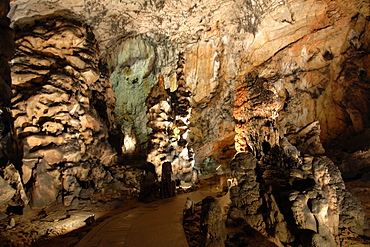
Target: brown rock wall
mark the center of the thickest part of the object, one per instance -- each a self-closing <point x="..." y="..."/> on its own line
<point x="319" y="70"/>
<point x="315" y="54"/>
<point x="264" y="70"/>
<point x="62" y="107"/>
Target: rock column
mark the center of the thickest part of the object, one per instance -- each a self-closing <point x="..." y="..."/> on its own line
<point x="168" y="115"/>
<point x="256" y="109"/>
<point x="160" y="121"/>
<point x="63" y="108"/>
<point x="182" y="154"/>
<point x="270" y="172"/>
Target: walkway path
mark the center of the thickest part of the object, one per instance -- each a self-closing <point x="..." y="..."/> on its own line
<point x="157" y="224"/>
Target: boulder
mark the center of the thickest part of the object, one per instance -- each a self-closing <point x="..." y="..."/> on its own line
<point x="6" y="191"/>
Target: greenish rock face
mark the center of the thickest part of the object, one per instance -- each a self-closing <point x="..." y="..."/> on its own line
<point x="132" y="78"/>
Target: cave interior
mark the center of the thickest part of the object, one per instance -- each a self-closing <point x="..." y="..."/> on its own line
<point x="107" y="104"/>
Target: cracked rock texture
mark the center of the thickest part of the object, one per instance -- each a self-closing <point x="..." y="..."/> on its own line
<point x="315" y="54"/>
<point x="63" y="108"/>
<point x="279" y="82"/>
<point x="291" y="199"/>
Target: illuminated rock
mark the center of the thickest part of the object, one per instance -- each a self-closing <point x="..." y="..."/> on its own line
<point x="59" y="114"/>
<point x="285" y="78"/>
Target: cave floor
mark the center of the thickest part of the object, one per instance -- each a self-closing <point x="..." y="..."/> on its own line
<point x="115" y="221"/>
<point x="155" y="224"/>
<point x="129" y="222"/>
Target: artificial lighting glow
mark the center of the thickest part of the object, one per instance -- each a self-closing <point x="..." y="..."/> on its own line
<point x="129" y="144"/>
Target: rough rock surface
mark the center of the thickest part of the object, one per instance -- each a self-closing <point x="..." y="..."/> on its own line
<point x="268" y="166"/>
<point x="320" y="208"/>
<point x="211" y="223"/>
<point x="355" y="164"/>
<point x="63" y="108"/>
<point x="11" y="189"/>
<point x="254" y="203"/>
<point x="282" y="76"/>
<point x="167" y="116"/>
<point x="305" y="48"/>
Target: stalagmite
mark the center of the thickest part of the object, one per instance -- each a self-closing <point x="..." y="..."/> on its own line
<point x="108" y="100"/>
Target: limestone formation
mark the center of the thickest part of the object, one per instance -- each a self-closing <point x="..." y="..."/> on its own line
<point x="63" y="108"/>
<point x="279" y="82"/>
<point x="249" y="198"/>
<point x="268" y="166"/>
<point x="355" y="164"/>
<point x="256" y="108"/>
<point x="319" y="202"/>
<point x="167" y="116"/>
<point x="7" y="192"/>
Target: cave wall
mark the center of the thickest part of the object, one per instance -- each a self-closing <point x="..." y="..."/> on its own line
<point x="252" y="72"/>
<point x="320" y="70"/>
<point x="297" y="89"/>
<point x="135" y="61"/>
<point x="286" y="195"/>
<point x="63" y="108"/>
<point x="305" y="48"/>
<point x="12" y="190"/>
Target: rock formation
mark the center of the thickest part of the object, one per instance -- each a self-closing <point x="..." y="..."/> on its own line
<point x="268" y="166"/>
<point x="63" y="107"/>
<point x="11" y="189"/>
<point x="168" y="117"/>
<point x="211" y="223"/>
<point x="279" y="82"/>
<point x="319" y="211"/>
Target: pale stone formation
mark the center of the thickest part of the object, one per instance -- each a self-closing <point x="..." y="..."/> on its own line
<point x="133" y="66"/>
<point x="167" y="116"/>
<point x="62" y="107"/>
<point x="266" y="167"/>
<point x="256" y="108"/>
<point x="319" y="202"/>
<point x="7" y="192"/>
<point x="250" y="195"/>
<point x="282" y="76"/>
<point x="299" y="46"/>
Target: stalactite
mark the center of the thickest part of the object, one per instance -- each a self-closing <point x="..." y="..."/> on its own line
<point x="168" y="115"/>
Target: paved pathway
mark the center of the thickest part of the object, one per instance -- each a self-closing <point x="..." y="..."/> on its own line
<point x="157" y="224"/>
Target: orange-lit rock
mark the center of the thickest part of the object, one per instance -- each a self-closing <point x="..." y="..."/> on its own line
<point x="284" y="78"/>
<point x="201" y="70"/>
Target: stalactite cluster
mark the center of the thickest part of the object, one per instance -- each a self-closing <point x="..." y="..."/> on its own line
<point x="168" y="117"/>
<point x="279" y="83"/>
